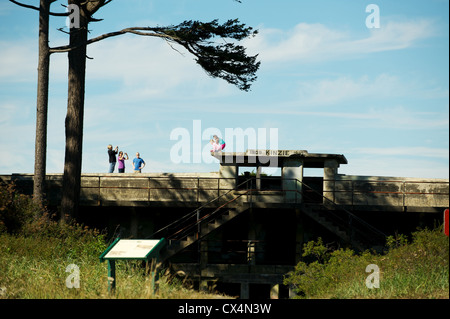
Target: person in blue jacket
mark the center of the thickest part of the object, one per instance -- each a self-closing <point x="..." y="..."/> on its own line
<point x="138" y="163"/>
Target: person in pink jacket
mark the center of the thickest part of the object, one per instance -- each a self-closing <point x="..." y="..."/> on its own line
<point x="216" y="147"/>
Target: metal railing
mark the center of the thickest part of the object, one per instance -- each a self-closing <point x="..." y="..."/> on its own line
<point x="192" y="222"/>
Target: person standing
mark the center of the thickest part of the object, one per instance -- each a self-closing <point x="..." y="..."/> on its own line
<point x="215" y="146"/>
<point x="138" y="163"/>
<point x="112" y="157"/>
<point x="122" y="158"/>
<point x="219" y="141"/>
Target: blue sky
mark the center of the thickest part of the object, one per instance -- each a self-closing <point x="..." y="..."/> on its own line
<point x="327" y="84"/>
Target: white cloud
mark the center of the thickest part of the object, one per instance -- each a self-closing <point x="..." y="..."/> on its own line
<point x="335" y="91"/>
<point x="18" y="61"/>
<point x="147" y="68"/>
<point x="316" y="42"/>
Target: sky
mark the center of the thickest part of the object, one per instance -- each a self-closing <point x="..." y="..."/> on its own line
<point x="331" y="80"/>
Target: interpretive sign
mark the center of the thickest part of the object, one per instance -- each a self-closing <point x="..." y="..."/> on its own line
<point x="132" y="249"/>
<point x="129" y="249"/>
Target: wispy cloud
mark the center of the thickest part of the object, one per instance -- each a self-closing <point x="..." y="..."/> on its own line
<point x="18" y="61"/>
<point x="335" y="91"/>
<point x="316" y="42"/>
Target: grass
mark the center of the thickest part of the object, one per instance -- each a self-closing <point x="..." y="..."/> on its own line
<point x="36" y="251"/>
<point x="35" y="268"/>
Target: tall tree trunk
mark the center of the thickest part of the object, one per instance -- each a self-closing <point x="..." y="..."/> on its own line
<point x="74" y="121"/>
<point x="42" y="103"/>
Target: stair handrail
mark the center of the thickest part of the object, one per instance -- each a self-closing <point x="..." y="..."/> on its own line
<point x="194" y="212"/>
<point x="341" y="207"/>
<point x="250" y="191"/>
<point x="201" y="220"/>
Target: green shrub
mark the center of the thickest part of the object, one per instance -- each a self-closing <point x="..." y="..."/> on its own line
<point x="16" y="210"/>
<point x="419" y="269"/>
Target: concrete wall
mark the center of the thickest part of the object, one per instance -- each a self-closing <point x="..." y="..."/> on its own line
<point x="387" y="191"/>
<point x="186" y="189"/>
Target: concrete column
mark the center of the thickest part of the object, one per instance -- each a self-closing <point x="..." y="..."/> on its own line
<point x="329" y="176"/>
<point x="299" y="234"/>
<point x="292" y="174"/>
<point x="203" y="286"/>
<point x="292" y="293"/>
<point x="203" y="254"/>
<point x="258" y="178"/>
<point x="230" y="172"/>
<point x="251" y="246"/>
<point x="275" y="291"/>
<point x="134" y="223"/>
<point x="245" y="290"/>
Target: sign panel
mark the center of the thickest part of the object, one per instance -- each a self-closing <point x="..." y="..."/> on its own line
<point x="132" y="249"/>
<point x="138" y="249"/>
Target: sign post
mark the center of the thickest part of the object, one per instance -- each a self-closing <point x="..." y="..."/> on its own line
<point x="129" y="249"/>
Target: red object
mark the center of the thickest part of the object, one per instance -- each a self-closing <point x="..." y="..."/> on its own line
<point x="446" y="221"/>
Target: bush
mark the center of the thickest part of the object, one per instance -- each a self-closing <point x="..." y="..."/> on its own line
<point x="16" y="210"/>
<point x="419" y="269"/>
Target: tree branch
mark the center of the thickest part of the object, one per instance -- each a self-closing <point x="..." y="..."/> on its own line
<point x="65" y="14"/>
<point x="228" y="61"/>
<point x="134" y="30"/>
<point x="25" y="5"/>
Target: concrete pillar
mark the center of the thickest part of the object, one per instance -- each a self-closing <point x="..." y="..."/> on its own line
<point x="258" y="178"/>
<point x="203" y="286"/>
<point x="251" y="245"/>
<point x="230" y="172"/>
<point x="245" y="290"/>
<point x="292" y="174"/>
<point x="203" y="254"/>
<point x="329" y="176"/>
<point x="134" y="223"/>
<point x="299" y="236"/>
<point x="292" y="293"/>
<point x="275" y="291"/>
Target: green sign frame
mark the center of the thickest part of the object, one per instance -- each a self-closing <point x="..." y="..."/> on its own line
<point x="130" y="249"/>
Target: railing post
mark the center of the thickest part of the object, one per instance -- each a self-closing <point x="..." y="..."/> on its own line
<point x="353" y="194"/>
<point x="198" y="224"/>
<point x="198" y="190"/>
<point x="148" y="185"/>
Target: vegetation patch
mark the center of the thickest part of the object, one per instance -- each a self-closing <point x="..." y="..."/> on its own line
<point x="36" y="254"/>
<point x="413" y="269"/>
